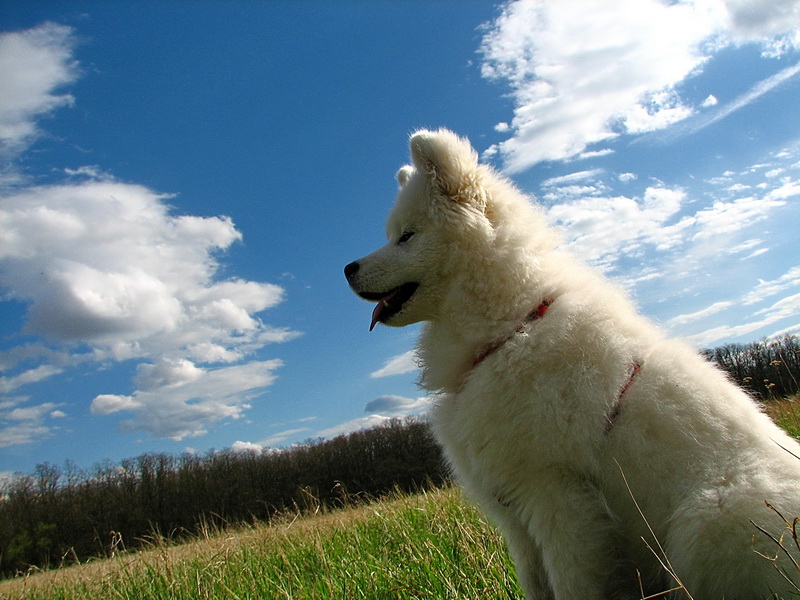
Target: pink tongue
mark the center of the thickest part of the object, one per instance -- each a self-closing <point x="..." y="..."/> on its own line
<point x="376" y="312"/>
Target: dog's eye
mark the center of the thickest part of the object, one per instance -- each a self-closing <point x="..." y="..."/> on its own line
<point x="407" y="235"/>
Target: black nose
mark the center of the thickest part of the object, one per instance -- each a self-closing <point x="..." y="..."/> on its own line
<point x="351" y="269"/>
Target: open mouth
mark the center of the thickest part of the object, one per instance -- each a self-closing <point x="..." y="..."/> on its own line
<point x="389" y="303"/>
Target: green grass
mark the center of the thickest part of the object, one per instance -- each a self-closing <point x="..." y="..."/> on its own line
<point x="434" y="545"/>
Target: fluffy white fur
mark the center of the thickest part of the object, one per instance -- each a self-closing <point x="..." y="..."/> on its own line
<point x="539" y="433"/>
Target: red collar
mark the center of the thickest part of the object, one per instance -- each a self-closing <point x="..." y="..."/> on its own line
<point x="537" y="313"/>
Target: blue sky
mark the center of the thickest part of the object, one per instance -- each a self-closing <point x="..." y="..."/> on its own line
<point x="182" y="184"/>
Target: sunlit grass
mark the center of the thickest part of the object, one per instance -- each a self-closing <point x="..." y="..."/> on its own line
<point x="434" y="545"/>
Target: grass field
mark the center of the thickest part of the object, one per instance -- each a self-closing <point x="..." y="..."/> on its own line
<point x="433" y="545"/>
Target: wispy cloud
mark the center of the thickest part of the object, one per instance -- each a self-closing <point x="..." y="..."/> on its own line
<point x="674" y="228"/>
<point x="279" y="438"/>
<point x="676" y="242"/>
<point x="765" y="289"/>
<point x="381" y="410"/>
<point x="354" y="425"/>
<point x="398" y="406"/>
<point x="9" y="384"/>
<point x="587" y="71"/>
<point x="605" y="229"/>
<point x="584" y="71"/>
<point x="701" y="314"/>
<point x="571" y="178"/>
<point x="398" y="365"/>
<point x="780" y="310"/>
<point x="705" y="119"/>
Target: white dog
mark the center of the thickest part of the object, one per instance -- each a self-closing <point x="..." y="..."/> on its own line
<point x="615" y="462"/>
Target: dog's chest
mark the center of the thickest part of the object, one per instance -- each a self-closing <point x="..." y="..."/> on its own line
<point x="502" y="428"/>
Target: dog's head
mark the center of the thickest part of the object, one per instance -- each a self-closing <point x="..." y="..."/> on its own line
<point x="441" y="218"/>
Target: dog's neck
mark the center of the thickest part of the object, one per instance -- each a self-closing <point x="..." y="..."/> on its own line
<point x="455" y="355"/>
<point x="537" y="313"/>
<point x="477" y="317"/>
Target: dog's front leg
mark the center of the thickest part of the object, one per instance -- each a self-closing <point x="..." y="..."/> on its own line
<point x="527" y="558"/>
<point x="579" y="544"/>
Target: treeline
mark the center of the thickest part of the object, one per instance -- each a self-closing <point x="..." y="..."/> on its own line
<point x="58" y="515"/>
<point x="767" y="369"/>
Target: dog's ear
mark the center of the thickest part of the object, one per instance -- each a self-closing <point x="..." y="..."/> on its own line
<point x="404" y="174"/>
<point x="447" y="160"/>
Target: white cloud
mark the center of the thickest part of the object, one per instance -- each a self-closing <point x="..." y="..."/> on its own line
<point x="586" y="71"/>
<point x="177" y="401"/>
<point x="790" y="330"/>
<point x="24" y="433"/>
<point x="90" y="172"/>
<point x="239" y="447"/>
<point x="603" y="229"/>
<point x="788" y="189"/>
<point x="755" y="20"/>
<point x="107" y="264"/>
<point x="107" y="404"/>
<point x="398" y="365"/>
<point x="755" y="253"/>
<point x="167" y="374"/>
<point x="34" y="64"/>
<point x="659" y="111"/>
<point x="107" y="272"/>
<point x="783" y="308"/>
<point x="26" y="424"/>
<point x="31" y="412"/>
<point x="594" y="154"/>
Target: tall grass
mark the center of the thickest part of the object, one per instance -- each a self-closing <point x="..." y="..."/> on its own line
<point x="786" y="414"/>
<point x="433" y="545"/>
